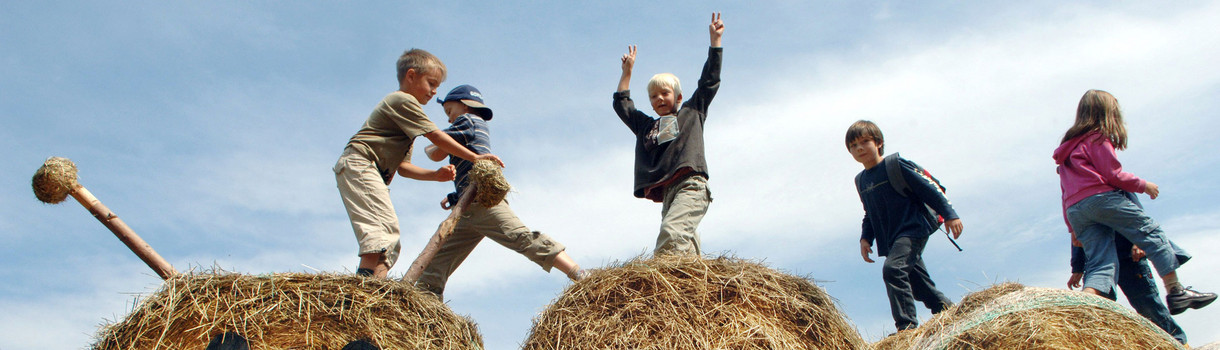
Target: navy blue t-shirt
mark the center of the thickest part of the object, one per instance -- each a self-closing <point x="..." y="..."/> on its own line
<point x="889" y="215"/>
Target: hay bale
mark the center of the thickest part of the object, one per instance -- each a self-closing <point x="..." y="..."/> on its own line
<point x="687" y="302"/>
<point x="489" y="179"/>
<point x="55" y="180"/>
<point x="289" y="311"/>
<point x="1012" y="316"/>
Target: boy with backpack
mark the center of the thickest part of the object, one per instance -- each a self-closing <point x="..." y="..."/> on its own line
<point x="897" y="195"/>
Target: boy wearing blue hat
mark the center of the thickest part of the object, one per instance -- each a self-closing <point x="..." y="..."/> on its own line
<point x="468" y="117"/>
<point x="381" y="148"/>
<point x="670" y="167"/>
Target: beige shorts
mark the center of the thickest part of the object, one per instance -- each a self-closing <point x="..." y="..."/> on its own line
<point x="367" y="199"/>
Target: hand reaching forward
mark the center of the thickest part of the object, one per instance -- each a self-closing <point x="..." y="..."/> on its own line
<point x="1152" y="189"/>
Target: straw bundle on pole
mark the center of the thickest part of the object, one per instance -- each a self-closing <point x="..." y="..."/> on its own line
<point x="1012" y="316"/>
<point x="488" y="177"/>
<point x="289" y="311"/>
<point x="57" y="179"/>
<point x="686" y="302"/>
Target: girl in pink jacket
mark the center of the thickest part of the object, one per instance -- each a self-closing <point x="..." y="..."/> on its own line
<point x="1095" y="207"/>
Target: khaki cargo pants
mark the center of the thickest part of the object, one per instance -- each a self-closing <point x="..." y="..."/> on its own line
<point x="500" y="225"/>
<point x="367" y="199"/>
<point x="685" y="203"/>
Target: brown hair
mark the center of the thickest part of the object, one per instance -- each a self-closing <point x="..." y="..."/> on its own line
<point x="1099" y="111"/>
<point x="420" y="60"/>
<point x="864" y="128"/>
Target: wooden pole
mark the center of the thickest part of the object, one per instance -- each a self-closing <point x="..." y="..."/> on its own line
<point x="442" y="233"/>
<point x="124" y="233"/>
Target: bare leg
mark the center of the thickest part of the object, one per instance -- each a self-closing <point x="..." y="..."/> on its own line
<point x="375" y="262"/>
<point x="564" y="263"/>
<point x="1091" y="291"/>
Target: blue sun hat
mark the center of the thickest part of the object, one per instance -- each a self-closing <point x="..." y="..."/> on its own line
<point x="469" y="96"/>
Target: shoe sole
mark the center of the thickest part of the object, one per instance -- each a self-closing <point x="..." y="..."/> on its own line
<point x="1195" y="304"/>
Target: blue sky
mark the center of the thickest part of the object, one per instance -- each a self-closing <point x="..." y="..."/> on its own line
<point x="211" y="128"/>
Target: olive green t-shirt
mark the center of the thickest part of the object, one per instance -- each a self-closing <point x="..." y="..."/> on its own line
<point x="388" y="134"/>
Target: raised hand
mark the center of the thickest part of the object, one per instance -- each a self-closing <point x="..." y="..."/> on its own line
<point x="629" y="59"/>
<point x="716" y="29"/>
<point x="624" y="81"/>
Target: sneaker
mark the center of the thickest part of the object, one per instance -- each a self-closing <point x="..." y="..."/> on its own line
<point x="944" y="305"/>
<point x="1187" y="298"/>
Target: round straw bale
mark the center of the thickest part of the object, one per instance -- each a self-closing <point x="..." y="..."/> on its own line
<point x="1012" y="316"/>
<point x="492" y="187"/>
<point x="289" y="311"/>
<point x="687" y="302"/>
<point x="54" y="180"/>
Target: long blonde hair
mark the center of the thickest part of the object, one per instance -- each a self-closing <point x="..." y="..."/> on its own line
<point x="1099" y="111"/>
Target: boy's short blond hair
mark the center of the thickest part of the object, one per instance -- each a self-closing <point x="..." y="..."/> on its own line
<point x="864" y="128"/>
<point x="667" y="80"/>
<point x="420" y="60"/>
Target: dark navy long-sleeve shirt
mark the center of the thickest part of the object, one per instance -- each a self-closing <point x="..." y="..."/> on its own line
<point x="889" y="215"/>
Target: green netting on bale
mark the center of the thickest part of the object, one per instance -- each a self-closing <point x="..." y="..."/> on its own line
<point x="1031" y="299"/>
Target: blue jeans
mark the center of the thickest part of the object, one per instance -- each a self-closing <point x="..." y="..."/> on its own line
<point x="907" y="280"/>
<point x="1135" y="279"/>
<point x="1097" y="218"/>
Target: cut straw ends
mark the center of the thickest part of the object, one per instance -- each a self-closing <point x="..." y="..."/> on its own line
<point x="55" y="180"/>
<point x="680" y="302"/>
<point x="290" y="311"/>
<point x="491" y="184"/>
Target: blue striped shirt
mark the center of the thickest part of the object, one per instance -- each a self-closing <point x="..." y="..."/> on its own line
<point x="469" y="130"/>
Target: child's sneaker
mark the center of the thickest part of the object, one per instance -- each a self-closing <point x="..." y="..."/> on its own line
<point x="1187" y="298"/>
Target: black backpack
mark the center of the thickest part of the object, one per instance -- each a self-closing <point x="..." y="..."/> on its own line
<point x="893" y="170"/>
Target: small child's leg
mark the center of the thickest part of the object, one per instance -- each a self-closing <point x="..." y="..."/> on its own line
<point x="375" y="263"/>
<point x="685" y="204"/>
<point x="452" y="253"/>
<point x="922" y="287"/>
<point x="1127" y="218"/>
<point x="501" y="225"/>
<point x="565" y="263"/>
<point x="1135" y="279"/>
<point x="896" y="273"/>
<point x="1101" y="261"/>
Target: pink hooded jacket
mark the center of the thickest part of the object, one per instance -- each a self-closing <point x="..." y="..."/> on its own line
<point x="1088" y="166"/>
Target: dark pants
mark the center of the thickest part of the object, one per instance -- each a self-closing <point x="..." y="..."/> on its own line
<point x="1135" y="279"/>
<point x="907" y="280"/>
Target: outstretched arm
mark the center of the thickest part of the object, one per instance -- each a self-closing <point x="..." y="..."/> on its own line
<point x="628" y="62"/>
<point x="435" y="153"/>
<point x="451" y="146"/>
<point x="412" y="171"/>
<point x="716" y="29"/>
